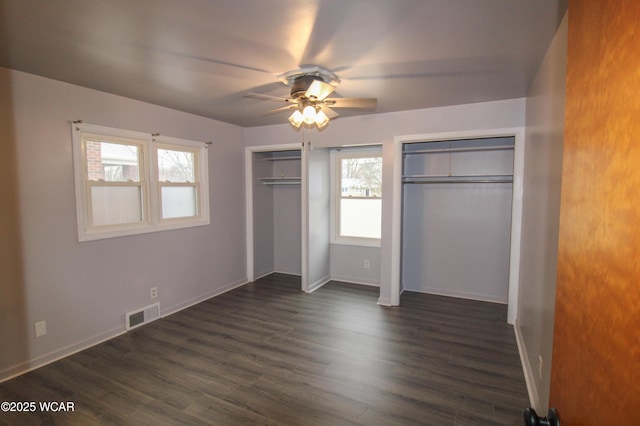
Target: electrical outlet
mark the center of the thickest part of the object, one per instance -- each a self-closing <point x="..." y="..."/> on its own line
<point x="539" y="367"/>
<point x="366" y="264"/>
<point x="154" y="292"/>
<point x="41" y="328"/>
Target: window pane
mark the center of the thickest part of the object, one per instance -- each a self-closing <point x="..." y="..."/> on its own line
<point x="361" y="177"/>
<point x="113" y="205"/>
<point x="360" y="218"/>
<point x="178" y="201"/>
<point x="113" y="162"/>
<point x="176" y="166"/>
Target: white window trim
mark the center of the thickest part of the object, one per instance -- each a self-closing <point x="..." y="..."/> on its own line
<point x="152" y="221"/>
<point x="202" y="208"/>
<point x="335" y="156"/>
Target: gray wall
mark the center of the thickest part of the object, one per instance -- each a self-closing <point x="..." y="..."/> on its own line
<point x="318" y="263"/>
<point x="82" y="290"/>
<point x="347" y="264"/>
<point x="287" y="245"/>
<point x="263" y="224"/>
<point x="14" y="330"/>
<point x="287" y="216"/>
<point x="541" y="207"/>
<point x="456" y="240"/>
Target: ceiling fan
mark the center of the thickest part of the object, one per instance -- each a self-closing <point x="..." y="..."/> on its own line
<point x="310" y="88"/>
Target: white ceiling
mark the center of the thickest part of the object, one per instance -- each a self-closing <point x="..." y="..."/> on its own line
<point x="202" y="56"/>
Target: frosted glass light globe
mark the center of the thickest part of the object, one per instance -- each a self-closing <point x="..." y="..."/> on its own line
<point x="309" y="113"/>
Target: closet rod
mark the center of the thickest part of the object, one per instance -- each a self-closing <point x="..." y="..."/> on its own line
<point x="461" y="149"/>
<point x="281" y="183"/>
<point x="454" y="177"/>
<point x="459" y="181"/>
<point x="297" y="157"/>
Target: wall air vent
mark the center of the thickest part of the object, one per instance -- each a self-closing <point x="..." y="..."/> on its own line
<point x="142" y="316"/>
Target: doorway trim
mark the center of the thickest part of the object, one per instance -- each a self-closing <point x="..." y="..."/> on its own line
<point x="518" y="133"/>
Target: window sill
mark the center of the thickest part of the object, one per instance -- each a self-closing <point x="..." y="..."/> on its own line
<point x="94" y="235"/>
<point x="363" y="242"/>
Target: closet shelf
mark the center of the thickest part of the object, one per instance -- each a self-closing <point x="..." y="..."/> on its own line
<point x="431" y="179"/>
<point x="292" y="157"/>
<point x="292" y="180"/>
<point x="465" y="149"/>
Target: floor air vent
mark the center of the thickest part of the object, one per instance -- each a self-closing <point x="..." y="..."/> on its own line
<point x="142" y="316"/>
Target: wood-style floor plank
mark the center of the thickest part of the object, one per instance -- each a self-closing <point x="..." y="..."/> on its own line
<point x="268" y="354"/>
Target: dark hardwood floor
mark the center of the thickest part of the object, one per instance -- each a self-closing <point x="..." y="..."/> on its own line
<point x="269" y="354"/>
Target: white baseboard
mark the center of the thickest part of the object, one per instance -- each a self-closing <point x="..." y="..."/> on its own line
<point x="201" y="298"/>
<point x="354" y="280"/>
<point x="276" y="271"/>
<point x="384" y="302"/>
<point x="58" y="354"/>
<point x="460" y="294"/>
<point x="529" y="375"/>
<point x="263" y="274"/>
<point x="295" y="274"/>
<point x="316" y="285"/>
<point x="41" y="361"/>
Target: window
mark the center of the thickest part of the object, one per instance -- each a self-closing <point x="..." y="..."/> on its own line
<point x="130" y="183"/>
<point x="177" y="180"/>
<point x="357" y="196"/>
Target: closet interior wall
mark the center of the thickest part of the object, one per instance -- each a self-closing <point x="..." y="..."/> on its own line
<point x="277" y="212"/>
<point x="456" y="218"/>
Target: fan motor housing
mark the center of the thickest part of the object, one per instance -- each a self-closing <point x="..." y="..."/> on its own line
<point x="301" y="84"/>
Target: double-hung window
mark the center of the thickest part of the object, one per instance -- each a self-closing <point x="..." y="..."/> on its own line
<point x="357" y="200"/>
<point x="130" y="182"/>
<point x="115" y="181"/>
<point x="177" y="180"/>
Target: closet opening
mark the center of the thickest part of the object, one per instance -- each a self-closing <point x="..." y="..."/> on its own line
<point x="356" y="214"/>
<point x="307" y="218"/>
<point x="342" y="213"/>
<point x="274" y="210"/>
<point x="457" y="198"/>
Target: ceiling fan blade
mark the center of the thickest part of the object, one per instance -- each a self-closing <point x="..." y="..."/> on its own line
<point x="268" y="97"/>
<point x="319" y="90"/>
<point x="366" y="103"/>
<point x="329" y="112"/>
<point x="281" y="109"/>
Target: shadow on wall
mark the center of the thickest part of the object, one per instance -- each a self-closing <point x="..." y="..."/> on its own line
<point x="14" y="331"/>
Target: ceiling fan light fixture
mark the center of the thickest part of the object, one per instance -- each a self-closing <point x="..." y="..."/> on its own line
<point x="309" y="114"/>
<point x="318" y="89"/>
<point x="296" y="119"/>
<point x="321" y="119"/>
<point x="309" y="101"/>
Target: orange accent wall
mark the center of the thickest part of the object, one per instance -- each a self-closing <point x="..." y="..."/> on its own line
<point x="595" y="378"/>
